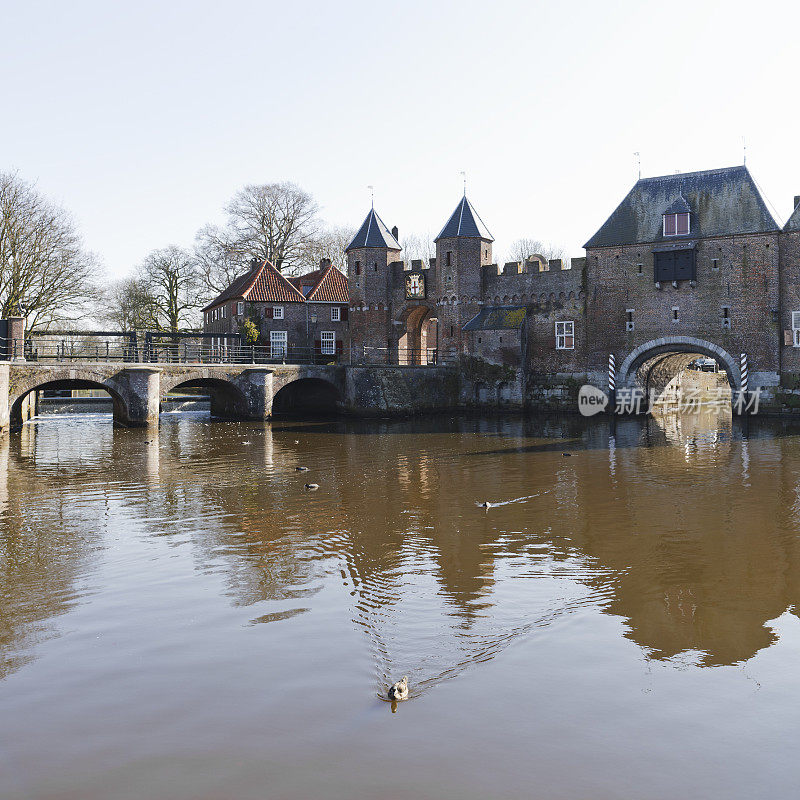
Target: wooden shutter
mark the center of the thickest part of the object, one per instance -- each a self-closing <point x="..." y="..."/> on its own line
<point x="664" y="267"/>
<point x="268" y="312"/>
<point x="684" y="265"/>
<point x="344" y="313"/>
<point x="339" y="344"/>
<point x="318" y="346"/>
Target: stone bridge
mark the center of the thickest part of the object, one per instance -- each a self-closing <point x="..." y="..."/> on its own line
<point x="237" y="391"/>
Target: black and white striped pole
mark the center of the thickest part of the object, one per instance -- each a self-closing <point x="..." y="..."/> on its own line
<point x="612" y="383"/>
<point x="743" y="372"/>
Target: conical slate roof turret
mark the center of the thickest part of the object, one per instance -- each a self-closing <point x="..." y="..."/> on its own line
<point x="465" y="222"/>
<point x="374" y="233"/>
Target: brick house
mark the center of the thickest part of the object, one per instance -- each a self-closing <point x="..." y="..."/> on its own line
<point x="297" y="318"/>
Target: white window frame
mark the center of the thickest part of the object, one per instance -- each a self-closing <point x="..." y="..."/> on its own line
<point x="565" y="330"/>
<point x="796" y="328"/>
<point x="688" y="224"/>
<point x="278" y="343"/>
<point x="240" y="308"/>
<point x="629" y="323"/>
<point x="327" y="343"/>
<point x="336" y="314"/>
<point x="277" y="312"/>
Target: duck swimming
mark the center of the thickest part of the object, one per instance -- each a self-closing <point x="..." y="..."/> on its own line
<point x="399" y="690"/>
<point x="301" y="469"/>
<point x="484" y="504"/>
<point x="312" y="487"/>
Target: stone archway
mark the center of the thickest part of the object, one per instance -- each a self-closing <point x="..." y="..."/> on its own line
<point x="307" y="396"/>
<point x="627" y="374"/>
<point x="417" y="343"/>
<point x="23" y="401"/>
<point x="226" y="399"/>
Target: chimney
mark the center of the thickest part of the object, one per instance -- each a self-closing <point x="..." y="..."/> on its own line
<point x="396" y="233"/>
<point x="796" y="200"/>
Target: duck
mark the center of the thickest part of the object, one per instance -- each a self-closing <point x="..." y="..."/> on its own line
<point x="399" y="690"/>
<point x="297" y="441"/>
<point x="312" y="487"/>
<point x="301" y="469"/>
<point x="567" y="455"/>
<point x="484" y="504"/>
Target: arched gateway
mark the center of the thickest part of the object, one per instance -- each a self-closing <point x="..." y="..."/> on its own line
<point x="663" y="358"/>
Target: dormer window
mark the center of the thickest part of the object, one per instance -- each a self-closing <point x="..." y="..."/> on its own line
<point x="676" y="224"/>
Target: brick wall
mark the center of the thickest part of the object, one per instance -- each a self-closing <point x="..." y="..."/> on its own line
<point x="738" y="273"/>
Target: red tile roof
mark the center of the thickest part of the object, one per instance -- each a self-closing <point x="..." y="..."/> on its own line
<point x="332" y="288"/>
<point x="262" y="284"/>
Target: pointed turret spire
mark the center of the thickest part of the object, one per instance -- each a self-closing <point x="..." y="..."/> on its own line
<point x="374" y="233"/>
<point x="465" y="222"/>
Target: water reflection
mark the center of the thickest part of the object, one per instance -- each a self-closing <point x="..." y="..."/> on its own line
<point x="679" y="526"/>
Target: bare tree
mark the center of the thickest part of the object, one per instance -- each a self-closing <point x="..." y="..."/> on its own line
<point x="526" y="247"/>
<point x="175" y="284"/>
<point x="327" y="243"/>
<point x="219" y="258"/>
<point x="45" y="272"/>
<point x="418" y="247"/>
<point x="129" y="305"/>
<point x="275" y="221"/>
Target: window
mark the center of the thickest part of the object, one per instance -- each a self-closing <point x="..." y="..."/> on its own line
<point x="726" y="317"/>
<point x="277" y="342"/>
<point x="629" y="319"/>
<point x="714" y="263"/>
<point x="796" y="328"/>
<point x="639" y="269"/>
<point x="565" y="335"/>
<point x="675" y="265"/>
<point x="328" y="339"/>
<point x="336" y="314"/>
<point x="448" y="259"/>
<point x="358" y="267"/>
<point x="240" y="308"/>
<point x="277" y="312"/>
<point x="676" y="314"/>
<point x="676" y="224"/>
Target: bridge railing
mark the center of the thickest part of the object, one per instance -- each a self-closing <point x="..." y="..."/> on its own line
<point x="57" y="349"/>
<point x="404" y="356"/>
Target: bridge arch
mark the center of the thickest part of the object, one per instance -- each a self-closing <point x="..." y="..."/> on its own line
<point x="20" y="400"/>
<point x="228" y="401"/>
<point x="307" y="395"/>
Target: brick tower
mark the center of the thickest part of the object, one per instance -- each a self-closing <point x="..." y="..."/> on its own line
<point x="369" y="277"/>
<point x="463" y="247"/>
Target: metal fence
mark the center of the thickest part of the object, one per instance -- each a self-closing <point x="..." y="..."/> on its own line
<point x="404" y="356"/>
<point x="134" y="348"/>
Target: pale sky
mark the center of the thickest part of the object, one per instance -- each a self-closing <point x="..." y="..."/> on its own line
<point x="143" y="119"/>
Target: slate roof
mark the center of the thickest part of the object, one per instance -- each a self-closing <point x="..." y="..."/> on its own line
<point x="465" y="221"/>
<point x="261" y="284"/>
<point x="497" y="318"/>
<point x="680" y="206"/>
<point x="793" y="223"/>
<point x="332" y="287"/>
<point x="373" y="233"/>
<point x="721" y="201"/>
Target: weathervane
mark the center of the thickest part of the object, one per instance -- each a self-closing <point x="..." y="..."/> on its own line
<point x="638" y="163"/>
<point x="464" y="176"/>
<point x="744" y="151"/>
<point x="371" y="195"/>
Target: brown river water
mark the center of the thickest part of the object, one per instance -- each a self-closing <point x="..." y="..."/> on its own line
<point x="179" y="618"/>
